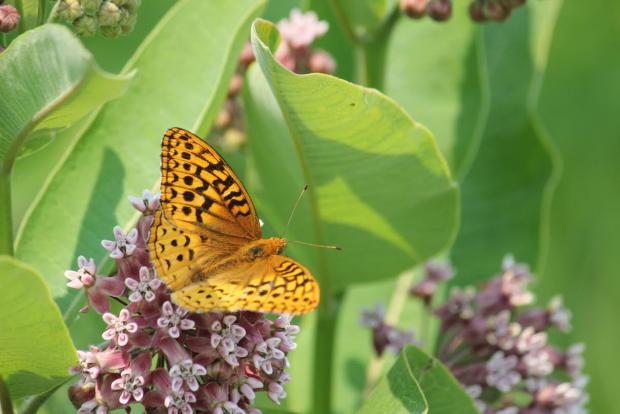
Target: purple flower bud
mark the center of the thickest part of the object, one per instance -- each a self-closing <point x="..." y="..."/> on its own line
<point x="413" y="8"/>
<point x="321" y="62"/>
<point x="476" y="11"/>
<point x="9" y="18"/>
<point x="439" y="10"/>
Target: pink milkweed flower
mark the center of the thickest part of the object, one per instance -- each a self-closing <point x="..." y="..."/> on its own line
<point x="94" y="361"/>
<point x="147" y="204"/>
<point x="145" y="288"/>
<point x="97" y="288"/>
<point x="119" y="327"/>
<point x="123" y="245"/>
<point x="226" y="337"/>
<point x="133" y="379"/>
<point x="174" y="320"/>
<point x="186" y="372"/>
<point x="301" y="29"/>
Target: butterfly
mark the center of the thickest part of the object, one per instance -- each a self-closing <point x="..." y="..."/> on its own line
<point x="206" y="241"/>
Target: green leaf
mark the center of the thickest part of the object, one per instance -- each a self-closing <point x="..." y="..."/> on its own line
<point x="49" y="80"/>
<point x="378" y="185"/>
<point x="578" y="106"/>
<point x="182" y="80"/>
<point x="36" y="349"/>
<point x="434" y="71"/>
<point x="400" y="391"/>
<point x="504" y="190"/>
<point x="442" y="391"/>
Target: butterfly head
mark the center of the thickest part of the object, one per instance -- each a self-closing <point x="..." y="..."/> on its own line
<point x="264" y="248"/>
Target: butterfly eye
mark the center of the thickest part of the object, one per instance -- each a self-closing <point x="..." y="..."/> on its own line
<point x="255" y="251"/>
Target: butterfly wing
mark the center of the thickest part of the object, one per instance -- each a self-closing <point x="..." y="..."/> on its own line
<point x="200" y="192"/>
<point x="180" y="256"/>
<point x="272" y="284"/>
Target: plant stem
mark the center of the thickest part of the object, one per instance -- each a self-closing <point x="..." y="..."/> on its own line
<point x="6" y="406"/>
<point x="324" y="341"/>
<point x="6" y="215"/>
<point x="41" y="13"/>
<point x="370" y="55"/>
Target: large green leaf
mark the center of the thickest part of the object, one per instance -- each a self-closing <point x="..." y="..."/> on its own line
<point x="503" y="192"/>
<point x="400" y="392"/>
<point x="442" y="392"/>
<point x="434" y="71"/>
<point x="579" y="106"/>
<point x="36" y="349"/>
<point x="31" y="173"/>
<point x="49" y="80"/>
<point x="182" y="80"/>
<point x="378" y="185"/>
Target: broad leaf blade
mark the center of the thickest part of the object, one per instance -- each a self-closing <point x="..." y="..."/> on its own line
<point x="433" y="70"/>
<point x="378" y="185"/>
<point x="182" y="80"/>
<point x="578" y="106"/>
<point x="441" y="390"/>
<point x="399" y="392"/>
<point x="36" y="349"/>
<point x="504" y="190"/>
<point x="49" y="80"/>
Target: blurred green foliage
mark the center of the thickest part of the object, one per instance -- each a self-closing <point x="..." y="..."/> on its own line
<point x="523" y="112"/>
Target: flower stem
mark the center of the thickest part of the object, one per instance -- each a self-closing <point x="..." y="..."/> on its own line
<point x="6" y="215"/>
<point x="41" y="13"/>
<point x="6" y="406"/>
<point x="324" y="341"/>
<point x="370" y="55"/>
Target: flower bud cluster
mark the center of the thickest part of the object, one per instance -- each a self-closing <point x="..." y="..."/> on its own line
<point x="495" y="341"/>
<point x="296" y="52"/>
<point x="479" y="10"/>
<point x="161" y="357"/>
<point x="438" y="10"/>
<point x="111" y="17"/>
<point x="384" y="335"/>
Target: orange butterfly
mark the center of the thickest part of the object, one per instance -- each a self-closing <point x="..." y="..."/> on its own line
<point x="206" y="240"/>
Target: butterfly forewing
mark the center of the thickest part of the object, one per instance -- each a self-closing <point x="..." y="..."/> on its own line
<point x="199" y="190"/>
<point x="272" y="284"/>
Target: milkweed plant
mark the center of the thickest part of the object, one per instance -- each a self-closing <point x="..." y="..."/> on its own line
<point x="327" y="96"/>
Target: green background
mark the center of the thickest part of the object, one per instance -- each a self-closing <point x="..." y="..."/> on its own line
<point x="524" y="112"/>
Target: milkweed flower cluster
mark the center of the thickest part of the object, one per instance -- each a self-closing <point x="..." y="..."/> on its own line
<point x="160" y="356"/>
<point x="495" y="341"/>
<point x="296" y="52"/>
<point x="111" y="17"/>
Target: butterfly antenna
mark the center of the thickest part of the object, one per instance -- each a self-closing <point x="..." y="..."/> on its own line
<point x="323" y="246"/>
<point x="290" y="217"/>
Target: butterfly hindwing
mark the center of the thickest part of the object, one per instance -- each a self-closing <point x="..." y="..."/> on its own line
<point x="180" y="256"/>
<point x="201" y="193"/>
<point x="271" y="284"/>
